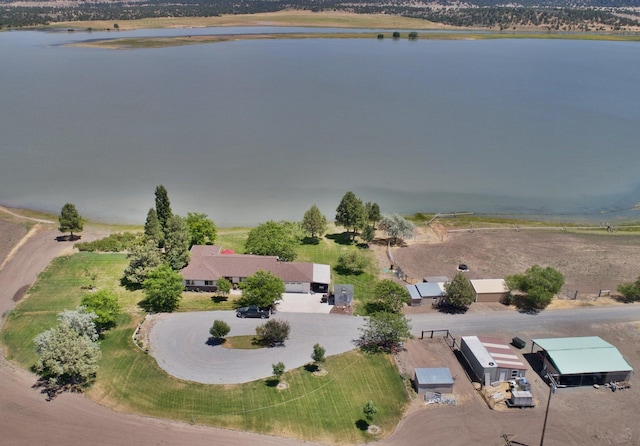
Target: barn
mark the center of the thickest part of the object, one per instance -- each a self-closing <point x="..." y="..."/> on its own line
<point x="578" y="361"/>
<point x="490" y="290"/>
<point x="433" y="380"/>
<point x="491" y="359"/>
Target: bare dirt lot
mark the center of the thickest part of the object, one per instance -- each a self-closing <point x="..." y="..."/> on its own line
<point x="590" y="262"/>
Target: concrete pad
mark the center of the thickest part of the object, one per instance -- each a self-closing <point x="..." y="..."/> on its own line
<point x="302" y="303"/>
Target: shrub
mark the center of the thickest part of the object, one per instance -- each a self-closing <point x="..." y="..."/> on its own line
<point x="219" y="329"/>
<point x="273" y="332"/>
<point x="113" y="243"/>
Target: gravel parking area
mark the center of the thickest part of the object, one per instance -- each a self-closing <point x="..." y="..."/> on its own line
<point x="302" y="303"/>
<point x="180" y="345"/>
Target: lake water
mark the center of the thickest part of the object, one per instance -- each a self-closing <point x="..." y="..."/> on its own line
<point x="253" y="130"/>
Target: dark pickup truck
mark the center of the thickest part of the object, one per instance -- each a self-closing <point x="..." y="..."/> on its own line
<point x="253" y="311"/>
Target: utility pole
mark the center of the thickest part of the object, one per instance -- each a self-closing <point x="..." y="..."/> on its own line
<point x="553" y="386"/>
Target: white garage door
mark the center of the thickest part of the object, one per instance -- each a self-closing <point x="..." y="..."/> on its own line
<point x="293" y="287"/>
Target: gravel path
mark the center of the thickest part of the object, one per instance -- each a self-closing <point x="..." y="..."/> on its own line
<point x="179" y="342"/>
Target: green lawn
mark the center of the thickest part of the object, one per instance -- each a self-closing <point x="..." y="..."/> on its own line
<point x="327" y="408"/>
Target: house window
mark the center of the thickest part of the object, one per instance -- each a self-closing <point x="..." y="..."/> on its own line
<point x="208" y="283"/>
<point x="514" y="373"/>
<point x="189" y="282"/>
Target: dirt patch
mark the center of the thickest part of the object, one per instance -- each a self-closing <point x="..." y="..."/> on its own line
<point x="11" y="235"/>
<point x="589" y="262"/>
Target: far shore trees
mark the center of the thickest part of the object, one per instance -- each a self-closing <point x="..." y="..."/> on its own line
<point x="163" y="289"/>
<point x="70" y="220"/>
<point x="262" y="289"/>
<point x="314" y="222"/>
<point x="459" y="293"/>
<point x="351" y="214"/>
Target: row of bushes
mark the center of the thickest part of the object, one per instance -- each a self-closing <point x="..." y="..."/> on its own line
<point x="114" y="243"/>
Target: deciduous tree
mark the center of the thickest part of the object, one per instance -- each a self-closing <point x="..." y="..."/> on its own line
<point x="384" y="332"/>
<point x="201" y="229"/>
<point x="278" y="370"/>
<point x="537" y="284"/>
<point x="67" y="354"/>
<point x="397" y="226"/>
<point x="70" y="220"/>
<point x="163" y="289"/>
<point x="459" y="292"/>
<point x="352" y="262"/>
<point x="273" y="332"/>
<point x="262" y="288"/>
<point x="389" y="296"/>
<point x="272" y="239"/>
<point x="318" y="354"/>
<point x="106" y="307"/>
<point x="369" y="411"/>
<point x="314" y="222"/>
<point x="223" y="286"/>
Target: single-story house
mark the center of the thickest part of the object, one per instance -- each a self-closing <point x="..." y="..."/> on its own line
<point x="208" y="264"/>
<point x="578" y="361"/>
<point x="425" y="290"/>
<point x="491" y="359"/>
<point x="490" y="290"/>
<point x="433" y="380"/>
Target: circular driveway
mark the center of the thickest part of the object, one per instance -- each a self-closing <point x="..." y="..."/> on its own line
<point x="179" y="343"/>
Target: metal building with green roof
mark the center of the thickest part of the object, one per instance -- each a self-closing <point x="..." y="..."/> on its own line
<point x="582" y="360"/>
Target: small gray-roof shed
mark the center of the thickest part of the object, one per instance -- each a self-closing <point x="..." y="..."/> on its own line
<point x="433" y="380"/>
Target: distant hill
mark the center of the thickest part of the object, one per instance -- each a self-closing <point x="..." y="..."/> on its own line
<point x="560" y="15"/>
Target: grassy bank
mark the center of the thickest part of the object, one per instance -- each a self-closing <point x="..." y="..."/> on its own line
<point x="327" y="408"/>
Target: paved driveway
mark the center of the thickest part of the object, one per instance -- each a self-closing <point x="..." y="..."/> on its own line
<point x="179" y="344"/>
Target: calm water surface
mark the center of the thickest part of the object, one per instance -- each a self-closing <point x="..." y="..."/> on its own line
<point x="254" y="130"/>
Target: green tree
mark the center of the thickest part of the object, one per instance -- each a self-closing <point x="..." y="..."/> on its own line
<point x="314" y="222"/>
<point x="397" y="226"/>
<point x="413" y="35"/>
<point x="66" y="356"/>
<point x="351" y="214"/>
<point x="81" y="321"/>
<point x="106" y="307"/>
<point x="384" y="332"/>
<point x="219" y="329"/>
<point x="223" y="286"/>
<point x="143" y="259"/>
<point x="537" y="284"/>
<point x="201" y="229"/>
<point x="70" y="220"/>
<point x="373" y="213"/>
<point x="352" y="262"/>
<point x="278" y="370"/>
<point x="630" y="291"/>
<point x="368" y="234"/>
<point x="176" y="242"/>
<point x="262" y="288"/>
<point x="273" y="332"/>
<point x="369" y="411"/>
<point x="153" y="228"/>
<point x="163" y="289"/>
<point x="459" y="292"/>
<point x="318" y="355"/>
<point x="272" y="239"/>
<point x="163" y="206"/>
<point x="389" y="296"/>
<point x="396" y="35"/>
